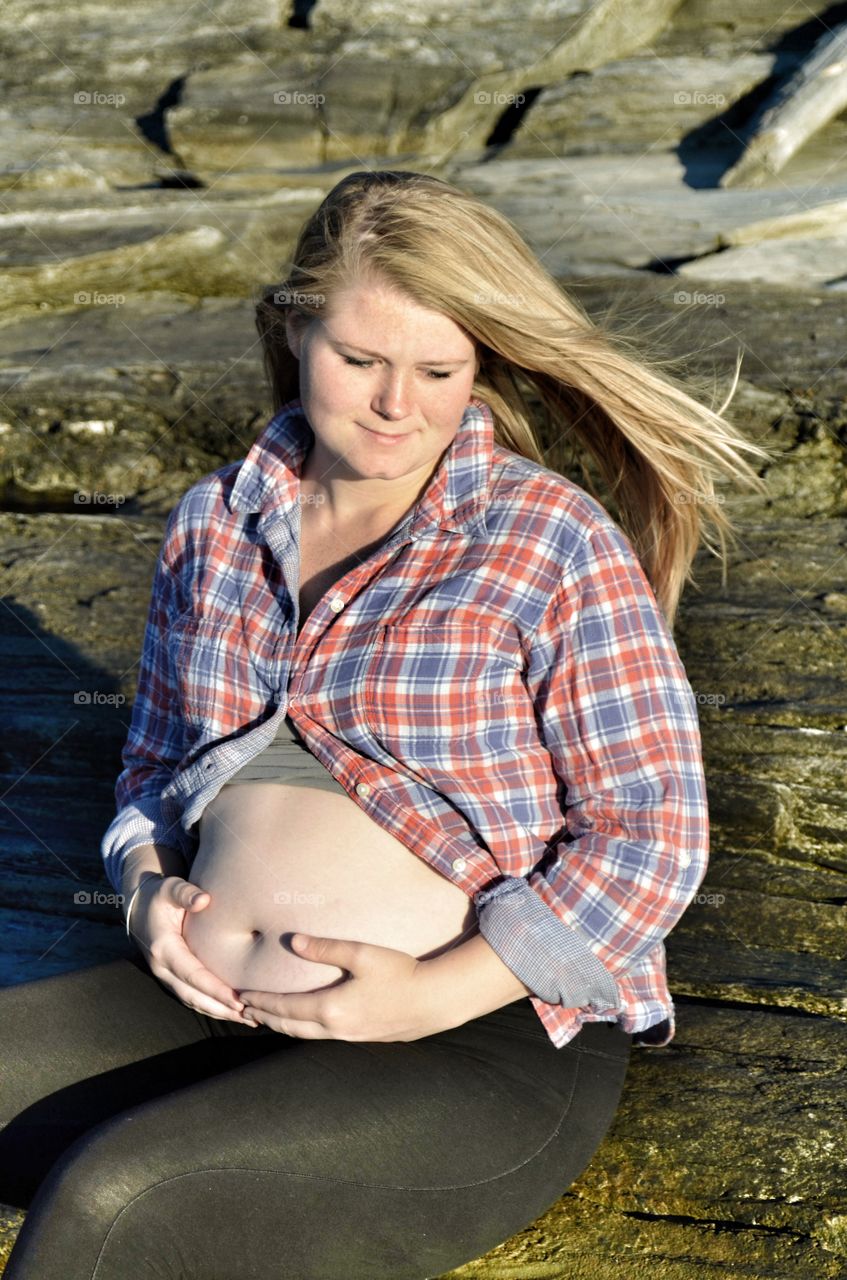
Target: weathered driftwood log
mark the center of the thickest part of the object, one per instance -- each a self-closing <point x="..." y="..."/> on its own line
<point x="810" y="98"/>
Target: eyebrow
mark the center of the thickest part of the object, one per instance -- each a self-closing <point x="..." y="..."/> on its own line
<point x="336" y="342"/>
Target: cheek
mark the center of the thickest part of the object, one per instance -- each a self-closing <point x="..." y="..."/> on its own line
<point x="329" y="383"/>
<point x="454" y="399"/>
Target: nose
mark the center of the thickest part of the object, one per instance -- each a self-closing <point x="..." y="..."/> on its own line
<point x="392" y="399"/>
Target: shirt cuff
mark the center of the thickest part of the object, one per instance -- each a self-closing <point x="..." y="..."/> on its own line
<point x="553" y="960"/>
<point x="137" y="824"/>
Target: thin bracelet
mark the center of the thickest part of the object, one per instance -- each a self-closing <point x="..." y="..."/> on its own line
<point x="134" y="895"/>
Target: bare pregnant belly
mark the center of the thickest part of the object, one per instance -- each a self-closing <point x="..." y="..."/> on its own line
<point x="278" y="860"/>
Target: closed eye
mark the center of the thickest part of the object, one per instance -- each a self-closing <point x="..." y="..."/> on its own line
<point x="366" y="364"/>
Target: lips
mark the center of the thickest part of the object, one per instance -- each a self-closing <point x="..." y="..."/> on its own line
<point x="385" y="435"/>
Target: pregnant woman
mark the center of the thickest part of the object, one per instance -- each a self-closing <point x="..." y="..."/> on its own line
<point x="412" y="792"/>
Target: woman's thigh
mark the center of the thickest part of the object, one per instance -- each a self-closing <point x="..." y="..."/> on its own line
<point x="80" y="1047"/>
<point x="333" y="1160"/>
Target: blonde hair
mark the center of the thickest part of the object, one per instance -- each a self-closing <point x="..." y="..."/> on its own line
<point x="657" y="449"/>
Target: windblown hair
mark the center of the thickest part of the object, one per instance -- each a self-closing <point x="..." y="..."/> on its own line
<point x="656" y="448"/>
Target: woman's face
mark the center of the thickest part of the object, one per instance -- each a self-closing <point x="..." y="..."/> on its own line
<point x="378" y="365"/>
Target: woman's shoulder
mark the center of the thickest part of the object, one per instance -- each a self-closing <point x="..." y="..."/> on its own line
<point x="202" y="508"/>
<point x="207" y="496"/>
<point x="541" y="505"/>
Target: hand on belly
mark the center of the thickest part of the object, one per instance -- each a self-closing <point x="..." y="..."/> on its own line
<point x="278" y="860"/>
<point x="258" y="959"/>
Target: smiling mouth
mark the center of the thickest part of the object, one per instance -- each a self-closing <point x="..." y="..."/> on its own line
<point x="385" y="435"/>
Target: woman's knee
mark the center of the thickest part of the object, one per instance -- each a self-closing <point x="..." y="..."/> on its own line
<point x="77" y="1203"/>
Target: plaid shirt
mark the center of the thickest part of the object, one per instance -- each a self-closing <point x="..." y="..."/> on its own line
<point x="495" y="686"/>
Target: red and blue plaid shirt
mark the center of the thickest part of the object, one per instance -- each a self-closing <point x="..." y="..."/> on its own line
<point x="495" y="685"/>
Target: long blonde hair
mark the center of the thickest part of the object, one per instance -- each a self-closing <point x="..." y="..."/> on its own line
<point x="657" y="449"/>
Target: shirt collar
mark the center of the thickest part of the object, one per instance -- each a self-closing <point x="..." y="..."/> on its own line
<point x="455" y="497"/>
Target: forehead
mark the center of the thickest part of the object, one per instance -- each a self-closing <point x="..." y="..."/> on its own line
<point x="383" y="319"/>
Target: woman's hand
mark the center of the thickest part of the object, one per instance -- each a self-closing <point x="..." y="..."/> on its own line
<point x="387" y="996"/>
<point x="158" y="914"/>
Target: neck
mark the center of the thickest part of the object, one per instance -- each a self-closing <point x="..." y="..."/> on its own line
<point x="358" y="502"/>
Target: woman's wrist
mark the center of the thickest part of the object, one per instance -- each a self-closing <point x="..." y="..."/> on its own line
<point x="133" y="897"/>
<point x="145" y="860"/>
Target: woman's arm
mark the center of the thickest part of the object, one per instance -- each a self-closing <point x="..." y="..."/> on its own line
<point x="154" y="743"/>
<point x="619" y="719"/>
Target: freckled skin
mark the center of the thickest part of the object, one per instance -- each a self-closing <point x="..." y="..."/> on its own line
<point x="349" y="469"/>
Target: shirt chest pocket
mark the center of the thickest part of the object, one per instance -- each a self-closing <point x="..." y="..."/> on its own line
<point x="204" y="672"/>
<point x="444" y="692"/>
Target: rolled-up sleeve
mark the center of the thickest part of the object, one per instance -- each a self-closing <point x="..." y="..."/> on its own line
<point x="619" y="718"/>
<point x="154" y="743"/>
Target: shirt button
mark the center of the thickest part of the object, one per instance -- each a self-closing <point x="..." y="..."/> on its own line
<point x="458" y="864"/>
<point x="363" y="789"/>
<point x="685" y="859"/>
<point x="336" y="604"/>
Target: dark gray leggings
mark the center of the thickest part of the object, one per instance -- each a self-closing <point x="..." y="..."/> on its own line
<point x="147" y="1140"/>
